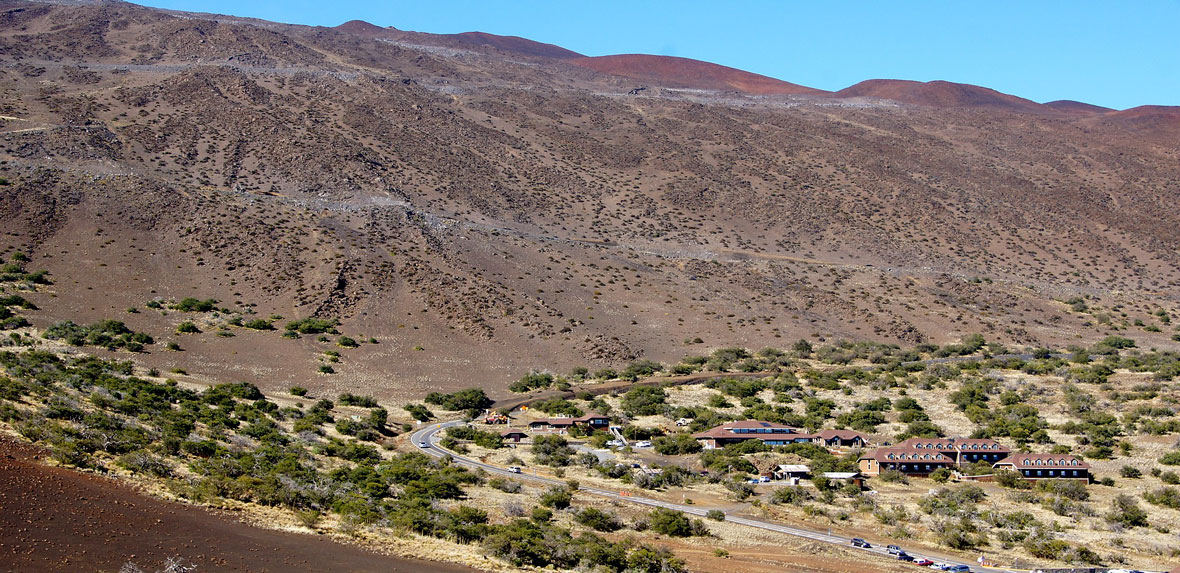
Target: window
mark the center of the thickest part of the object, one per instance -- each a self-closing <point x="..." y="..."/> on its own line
<point x="1038" y="472"/>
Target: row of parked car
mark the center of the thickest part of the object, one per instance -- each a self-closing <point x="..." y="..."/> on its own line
<point x="903" y="556"/>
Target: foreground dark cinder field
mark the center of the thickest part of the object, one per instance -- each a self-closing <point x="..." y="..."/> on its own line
<point x="54" y="519"/>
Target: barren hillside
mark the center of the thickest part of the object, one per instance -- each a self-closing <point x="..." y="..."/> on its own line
<point x="480" y="205"/>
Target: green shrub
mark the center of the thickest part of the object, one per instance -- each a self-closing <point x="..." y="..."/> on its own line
<point x="644" y="401"/>
<point x="259" y="324"/>
<point x="552" y="450"/>
<point x="1124" y="511"/>
<point x="195" y="305"/>
<point x="557" y="497"/>
<point x="467" y="399"/>
<point x="313" y="325"/>
<point x="532" y="381"/>
<point x="349" y="399"/>
<point x="598" y="520"/>
<point x="675" y="523"/>
<point x="419" y="412"/>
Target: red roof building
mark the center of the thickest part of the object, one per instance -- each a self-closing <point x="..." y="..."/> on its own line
<point x="909" y="461"/>
<point x="769" y="433"/>
<point x="773" y="434"/>
<point x="962" y="451"/>
<point x="1046" y="466"/>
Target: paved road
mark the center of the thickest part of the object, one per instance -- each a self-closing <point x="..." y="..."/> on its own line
<point x="426" y="434"/>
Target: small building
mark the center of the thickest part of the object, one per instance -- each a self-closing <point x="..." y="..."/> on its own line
<point x="557" y="425"/>
<point x="1045" y="466"/>
<point x="789" y="471"/>
<point x="840" y="439"/>
<point x="846" y="477"/>
<point x="909" y="461"/>
<point x="513" y="435"/>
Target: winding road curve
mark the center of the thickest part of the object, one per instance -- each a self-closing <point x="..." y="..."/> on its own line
<point x="427" y="435"/>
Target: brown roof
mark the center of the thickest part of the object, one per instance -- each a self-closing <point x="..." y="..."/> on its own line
<point x="842" y="434"/>
<point x="961" y="444"/>
<point x="567" y="421"/>
<point x="513" y="431"/>
<point x="906" y="455"/>
<point x="1043" y="461"/>
<point x="976" y="444"/>
<point x="928" y="444"/>
<point x="726" y="430"/>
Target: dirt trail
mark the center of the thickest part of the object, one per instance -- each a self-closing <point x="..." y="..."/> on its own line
<point x="54" y="519"/>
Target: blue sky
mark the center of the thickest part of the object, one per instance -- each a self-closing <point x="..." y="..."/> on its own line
<point x="1113" y="54"/>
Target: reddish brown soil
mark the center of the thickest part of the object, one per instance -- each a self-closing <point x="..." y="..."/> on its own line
<point x="363" y="28"/>
<point x="515" y="44"/>
<point x="683" y="72"/>
<point x="940" y="94"/>
<point x="509" y="44"/>
<point x="53" y="519"/>
<point x="1071" y="106"/>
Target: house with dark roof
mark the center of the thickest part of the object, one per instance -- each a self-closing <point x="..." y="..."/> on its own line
<point x="839" y="439"/>
<point x="909" y="461"/>
<point x="563" y="424"/>
<point x="513" y="435"/>
<point x="1045" y="466"/>
<point x="962" y="451"/>
<point x="773" y="434"/>
<point x="768" y="433"/>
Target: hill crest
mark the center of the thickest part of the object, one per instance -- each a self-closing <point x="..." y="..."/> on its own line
<point x="673" y="71"/>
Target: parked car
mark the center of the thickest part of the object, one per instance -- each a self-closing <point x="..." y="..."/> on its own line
<point x="903" y="556"/>
<point x="513" y="469"/>
<point x="858" y="542"/>
<point x="893" y="550"/>
<point x="643" y="444"/>
<point x="614" y="443"/>
<point x="923" y="563"/>
<point x="764" y="479"/>
<point x="959" y="569"/>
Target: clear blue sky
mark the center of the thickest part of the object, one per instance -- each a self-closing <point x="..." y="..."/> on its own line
<point x="1115" y="54"/>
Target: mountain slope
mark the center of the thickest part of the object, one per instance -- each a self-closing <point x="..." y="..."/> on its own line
<point x="939" y="94"/>
<point x="480" y="213"/>
<point x="687" y="73"/>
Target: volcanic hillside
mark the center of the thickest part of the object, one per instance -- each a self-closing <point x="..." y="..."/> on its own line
<point x="687" y="73"/>
<point x="481" y="208"/>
